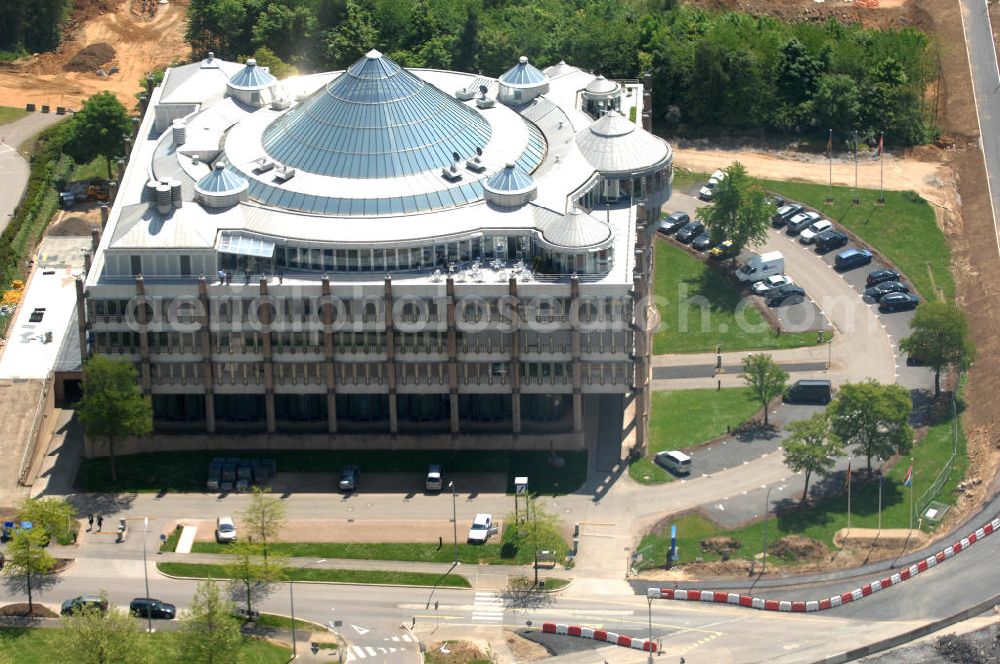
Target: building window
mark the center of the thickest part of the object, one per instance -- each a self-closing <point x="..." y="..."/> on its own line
<point x="186" y="266"/>
<point x="136" y="264"/>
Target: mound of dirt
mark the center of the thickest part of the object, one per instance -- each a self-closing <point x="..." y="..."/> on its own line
<point x="455" y="652"/>
<point x="798" y="547"/>
<point x="71" y="227"/>
<point x="91" y="57"/>
<point x="721" y="544"/>
<point x="21" y="611"/>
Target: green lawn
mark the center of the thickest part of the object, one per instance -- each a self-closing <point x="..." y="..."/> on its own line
<point x="823" y="519"/>
<point x="96" y="169"/>
<point x="903" y="229"/>
<point x="8" y="114"/>
<point x="555" y="584"/>
<point x="685" y="179"/>
<point x="187" y="471"/>
<point x="282" y="622"/>
<point x="707" y="413"/>
<point x="200" y="570"/>
<point x="37" y="646"/>
<point x="171" y="544"/>
<point x="702" y="307"/>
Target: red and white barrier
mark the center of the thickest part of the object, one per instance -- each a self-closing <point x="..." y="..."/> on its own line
<point x="866" y="590"/>
<point x="599" y="635"/>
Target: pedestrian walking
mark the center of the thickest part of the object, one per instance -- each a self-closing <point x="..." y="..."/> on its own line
<point x="90" y="522"/>
<point x="100" y="521"/>
<point x="281" y="277"/>
<point x="229" y="277"/>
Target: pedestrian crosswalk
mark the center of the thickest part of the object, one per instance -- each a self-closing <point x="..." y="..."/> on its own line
<point x="358" y="652"/>
<point x="488" y="607"/>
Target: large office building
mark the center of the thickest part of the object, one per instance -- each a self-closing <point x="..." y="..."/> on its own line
<point x="381" y="257"/>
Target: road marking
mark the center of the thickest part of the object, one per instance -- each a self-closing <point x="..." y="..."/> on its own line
<point x="360" y="630"/>
<point x="371" y="651"/>
<point x="488" y="607"/>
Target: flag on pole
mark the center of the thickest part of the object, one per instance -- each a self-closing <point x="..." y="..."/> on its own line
<point x="878" y="150"/>
<point x="847" y="481"/>
<point x="908" y="480"/>
<point x="829" y="143"/>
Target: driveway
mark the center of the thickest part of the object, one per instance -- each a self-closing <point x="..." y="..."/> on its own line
<point x="13" y="166"/>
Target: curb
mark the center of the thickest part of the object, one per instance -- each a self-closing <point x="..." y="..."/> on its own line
<point x="600" y="635"/>
<point x="798" y="606"/>
<point x="322" y="583"/>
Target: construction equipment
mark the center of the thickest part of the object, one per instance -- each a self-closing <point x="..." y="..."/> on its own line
<point x="13" y="296"/>
<point x="98" y="191"/>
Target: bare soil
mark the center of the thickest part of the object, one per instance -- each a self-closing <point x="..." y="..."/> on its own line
<point x="21" y="611"/>
<point x="524" y="650"/>
<point x="74" y="226"/>
<point x="140" y="44"/>
<point x="89" y="58"/>
<point x="887" y="13"/>
<point x="799" y="547"/>
<point x="458" y="652"/>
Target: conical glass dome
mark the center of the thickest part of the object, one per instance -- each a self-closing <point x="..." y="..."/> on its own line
<point x="252" y="77"/>
<point x="220" y="181"/>
<point x="376" y="120"/>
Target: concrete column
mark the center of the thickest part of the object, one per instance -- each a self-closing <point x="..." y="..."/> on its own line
<point x="326" y="315"/>
<point x="88" y="259"/>
<point x="95" y="232"/>
<point x="142" y="318"/>
<point x="574" y="292"/>
<point x="81" y="319"/>
<point x="266" y="319"/>
<point x="452" y="356"/>
<point x="205" y="338"/>
<point x="515" y="360"/>
<point x="105" y="211"/>
<point x="390" y="348"/>
<point x="641" y="373"/>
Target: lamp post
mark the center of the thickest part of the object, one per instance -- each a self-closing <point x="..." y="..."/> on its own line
<point x="454" y="519"/>
<point x="767" y="512"/>
<point x="649" y="601"/>
<point x="145" y="573"/>
<point x="291" y="602"/>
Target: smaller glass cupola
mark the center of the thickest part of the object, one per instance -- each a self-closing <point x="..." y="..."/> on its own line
<point x="510" y="187"/>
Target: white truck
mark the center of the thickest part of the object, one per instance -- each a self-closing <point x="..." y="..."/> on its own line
<point x="761" y="266"/>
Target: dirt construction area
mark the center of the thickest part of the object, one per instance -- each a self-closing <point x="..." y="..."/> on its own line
<point x="103" y="34"/>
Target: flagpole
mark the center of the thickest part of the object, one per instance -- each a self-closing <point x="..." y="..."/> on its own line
<point x="880" y="469"/>
<point x="829" y="157"/>
<point x="856" y="200"/>
<point x="911" y="494"/>
<point x="881" y="166"/>
<point x="848" y="496"/>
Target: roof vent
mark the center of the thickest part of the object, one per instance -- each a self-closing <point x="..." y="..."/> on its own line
<point x="283" y="174"/>
<point x="451" y="173"/>
<point x="484" y="101"/>
<point x="252" y="62"/>
<point x="476" y="163"/>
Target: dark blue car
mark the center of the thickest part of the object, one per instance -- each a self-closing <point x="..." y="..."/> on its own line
<point x="852" y="258"/>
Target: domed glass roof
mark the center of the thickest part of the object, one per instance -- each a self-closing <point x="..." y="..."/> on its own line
<point x="252" y="77"/>
<point x="523" y="74"/>
<point x="221" y="181"/>
<point x="509" y="180"/>
<point x="376" y="120"/>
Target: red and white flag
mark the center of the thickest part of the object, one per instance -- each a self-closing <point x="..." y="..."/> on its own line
<point x="878" y="150"/>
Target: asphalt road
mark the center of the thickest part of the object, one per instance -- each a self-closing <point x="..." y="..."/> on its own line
<point x="13" y="167"/>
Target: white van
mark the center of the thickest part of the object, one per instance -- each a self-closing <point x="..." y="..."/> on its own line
<point x="762" y="266"/>
<point x="675" y="461"/>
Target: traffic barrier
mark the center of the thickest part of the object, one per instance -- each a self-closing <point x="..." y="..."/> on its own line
<point x="600" y="635"/>
<point x="866" y="590"/>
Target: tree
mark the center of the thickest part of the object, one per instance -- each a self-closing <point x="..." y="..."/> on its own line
<point x="280" y="69"/>
<point x="739" y="211"/>
<point x="810" y="448"/>
<point x="113" y="407"/>
<point x="251" y="577"/>
<point x="940" y="339"/>
<point x="873" y="418"/>
<point x="28" y="565"/>
<point x="521" y="594"/>
<point x="263" y="518"/>
<point x="764" y="378"/>
<point x="354" y="37"/>
<point x="103" y="637"/>
<point x="210" y="632"/>
<point x="838" y="102"/>
<point x="52" y="515"/>
<point x="99" y="129"/>
<point x="534" y="529"/>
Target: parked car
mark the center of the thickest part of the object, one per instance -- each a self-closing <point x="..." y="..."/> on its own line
<point x="690" y="231"/>
<point x="800" y="222"/>
<point x="809" y="391"/>
<point x="829" y="240"/>
<point x="482" y="528"/>
<point x="776" y="201"/>
<point x="147" y="607"/>
<point x="675" y="461"/>
<point x="225" y="530"/>
<point x="785" y="295"/>
<point x="878" y="276"/>
<point x="349" y="476"/>
<point x="706" y="192"/>
<point x="84" y="601"/>
<point x="784" y="213"/>
<point x="702" y="242"/>
<point x="878" y="291"/>
<point x="673" y="222"/>
<point x="898" y="302"/>
<point x="724" y="249"/>
<point x="852" y="258"/>
<point x="817" y="227"/>
<point x="435" y="478"/>
<point x="763" y="286"/>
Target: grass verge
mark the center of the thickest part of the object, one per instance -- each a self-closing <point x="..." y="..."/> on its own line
<point x="707" y="413"/>
<point x="9" y="114"/>
<point x="282" y="622"/>
<point x="188" y="471"/>
<point x="903" y="229"/>
<point x="823" y="518"/>
<point x="203" y="570"/>
<point x="170" y="545"/>
<point x="93" y="170"/>
<point x="702" y="307"/>
<point x="37" y="646"/>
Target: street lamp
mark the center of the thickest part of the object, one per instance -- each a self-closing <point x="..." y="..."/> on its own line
<point x="291" y="602"/>
<point x="454" y="519"/>
<point x="767" y="512"/>
<point x="145" y="573"/>
<point x="649" y="601"/>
